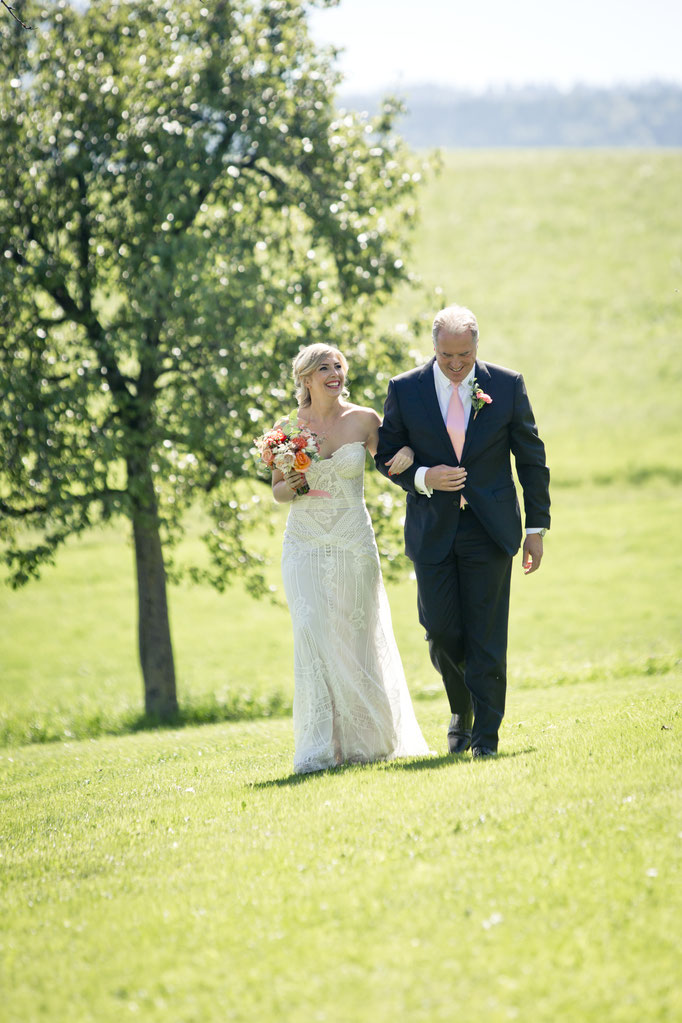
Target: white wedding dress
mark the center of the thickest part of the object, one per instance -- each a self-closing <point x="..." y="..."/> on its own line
<point x="351" y="702"/>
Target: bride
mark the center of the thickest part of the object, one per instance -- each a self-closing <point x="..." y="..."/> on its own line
<point x="351" y="703"/>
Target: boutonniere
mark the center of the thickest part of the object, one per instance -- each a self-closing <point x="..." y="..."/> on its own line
<point x="478" y="397"/>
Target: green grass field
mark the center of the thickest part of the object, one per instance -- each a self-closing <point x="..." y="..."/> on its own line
<point x="186" y="876"/>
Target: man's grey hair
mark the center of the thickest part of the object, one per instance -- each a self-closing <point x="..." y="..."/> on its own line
<point x="456" y="319"/>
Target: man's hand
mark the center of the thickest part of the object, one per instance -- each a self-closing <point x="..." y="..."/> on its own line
<point x="532" y="553"/>
<point x="445" y="477"/>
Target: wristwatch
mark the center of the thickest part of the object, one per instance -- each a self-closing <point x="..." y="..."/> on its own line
<point x="542" y="532"/>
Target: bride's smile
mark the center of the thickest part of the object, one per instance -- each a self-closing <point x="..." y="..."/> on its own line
<point x="328" y="380"/>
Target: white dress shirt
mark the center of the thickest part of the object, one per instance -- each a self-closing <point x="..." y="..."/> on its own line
<point x="444" y="388"/>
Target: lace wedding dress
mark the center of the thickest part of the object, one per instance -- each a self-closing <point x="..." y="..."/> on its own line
<point x="351" y="702"/>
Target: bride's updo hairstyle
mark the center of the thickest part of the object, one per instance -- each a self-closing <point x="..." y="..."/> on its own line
<point x="306" y="362"/>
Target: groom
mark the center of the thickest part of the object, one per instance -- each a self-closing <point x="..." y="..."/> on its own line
<point x="464" y="418"/>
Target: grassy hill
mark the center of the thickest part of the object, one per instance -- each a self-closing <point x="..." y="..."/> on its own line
<point x="572" y="261"/>
<point x="187" y="877"/>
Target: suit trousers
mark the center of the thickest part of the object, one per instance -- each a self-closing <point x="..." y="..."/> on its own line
<point x="464" y="607"/>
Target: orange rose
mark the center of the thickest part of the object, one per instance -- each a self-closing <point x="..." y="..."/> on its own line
<point x="302" y="461"/>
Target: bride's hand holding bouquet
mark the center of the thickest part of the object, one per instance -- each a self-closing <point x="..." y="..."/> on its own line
<point x="291" y="449"/>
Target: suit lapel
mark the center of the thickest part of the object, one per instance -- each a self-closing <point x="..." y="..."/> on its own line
<point x="427" y="391"/>
<point x="482" y="377"/>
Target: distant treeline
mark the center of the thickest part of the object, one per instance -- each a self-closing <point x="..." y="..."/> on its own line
<point x="644" y="115"/>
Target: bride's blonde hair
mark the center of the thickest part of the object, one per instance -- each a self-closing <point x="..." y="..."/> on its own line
<point x="306" y="362"/>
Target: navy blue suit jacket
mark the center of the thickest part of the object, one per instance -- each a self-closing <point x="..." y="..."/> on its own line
<point x="505" y="427"/>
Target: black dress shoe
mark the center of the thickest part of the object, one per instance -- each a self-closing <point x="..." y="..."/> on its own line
<point x="483" y="751"/>
<point x="459" y="733"/>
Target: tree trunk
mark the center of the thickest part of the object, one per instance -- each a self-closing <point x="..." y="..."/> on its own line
<point x="156" y="650"/>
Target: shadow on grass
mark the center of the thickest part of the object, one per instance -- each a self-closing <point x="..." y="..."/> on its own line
<point x="61" y="725"/>
<point x="419" y="764"/>
<point x="414" y="764"/>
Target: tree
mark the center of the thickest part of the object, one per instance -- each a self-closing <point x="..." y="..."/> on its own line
<point x="181" y="209"/>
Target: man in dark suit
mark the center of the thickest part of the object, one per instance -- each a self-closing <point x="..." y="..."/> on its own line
<point x="464" y="418"/>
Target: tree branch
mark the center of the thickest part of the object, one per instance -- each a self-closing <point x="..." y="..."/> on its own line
<point x="278" y="183"/>
<point x="84" y="241"/>
<point x="73" y="312"/>
<point x="17" y="19"/>
<point x="182" y="225"/>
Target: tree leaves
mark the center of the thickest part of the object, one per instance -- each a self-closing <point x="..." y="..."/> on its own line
<point x="181" y="209"/>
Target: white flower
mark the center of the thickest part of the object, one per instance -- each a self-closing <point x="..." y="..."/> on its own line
<point x="285" y="460"/>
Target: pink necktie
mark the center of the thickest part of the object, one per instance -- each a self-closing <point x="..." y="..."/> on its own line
<point x="454" y="423"/>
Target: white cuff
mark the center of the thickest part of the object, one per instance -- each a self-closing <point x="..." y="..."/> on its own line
<point x="533" y="529"/>
<point x="419" y="483"/>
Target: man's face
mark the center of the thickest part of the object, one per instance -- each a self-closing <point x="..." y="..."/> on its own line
<point x="455" y="354"/>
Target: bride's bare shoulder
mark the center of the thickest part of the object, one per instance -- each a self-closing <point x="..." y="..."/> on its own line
<point x="368" y="415"/>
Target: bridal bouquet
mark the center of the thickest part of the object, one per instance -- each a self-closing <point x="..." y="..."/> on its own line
<point x="289" y="448"/>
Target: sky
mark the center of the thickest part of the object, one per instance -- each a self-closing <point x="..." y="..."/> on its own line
<point x="492" y="43"/>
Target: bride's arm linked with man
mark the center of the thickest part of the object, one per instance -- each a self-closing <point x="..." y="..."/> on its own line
<point x="449" y="431"/>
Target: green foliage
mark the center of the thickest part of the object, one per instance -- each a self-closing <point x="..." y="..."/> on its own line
<point x="188" y="876"/>
<point x="180" y="210"/>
